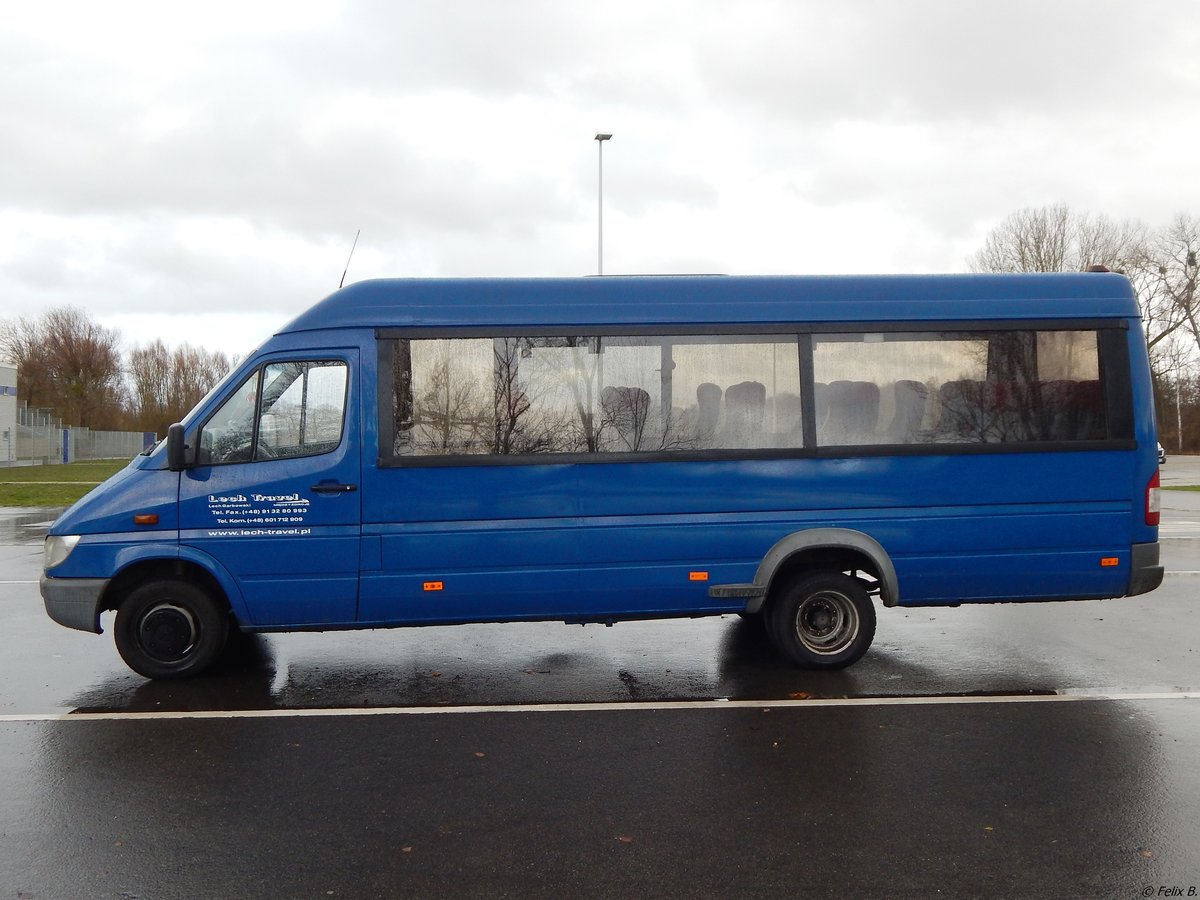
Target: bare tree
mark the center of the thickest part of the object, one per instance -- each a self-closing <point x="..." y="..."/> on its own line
<point x="194" y="371"/>
<point x="70" y="363"/>
<point x="1173" y="388"/>
<point x="1162" y="265"/>
<point x="23" y="341"/>
<point x="85" y="365"/>
<point x="165" y="384"/>
<point x="1168" y="276"/>
<point x="1058" y="239"/>
<point x="149" y="373"/>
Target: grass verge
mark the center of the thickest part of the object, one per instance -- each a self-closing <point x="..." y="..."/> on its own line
<point x="54" y="485"/>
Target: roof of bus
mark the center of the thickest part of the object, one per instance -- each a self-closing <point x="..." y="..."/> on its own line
<point x="716" y="299"/>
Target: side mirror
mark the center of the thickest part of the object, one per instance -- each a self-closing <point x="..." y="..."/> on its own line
<point x="176" y="449"/>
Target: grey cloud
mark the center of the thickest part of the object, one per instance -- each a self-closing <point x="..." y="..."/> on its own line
<point x="263" y="169"/>
<point x="943" y="60"/>
<point x="237" y="131"/>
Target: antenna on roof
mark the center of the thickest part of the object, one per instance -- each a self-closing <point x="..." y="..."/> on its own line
<point x="348" y="258"/>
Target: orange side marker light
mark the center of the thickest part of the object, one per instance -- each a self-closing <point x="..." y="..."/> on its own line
<point x="697" y="576"/>
<point x="432" y="585"/>
<point x="1108" y="562"/>
<point x="145" y="519"/>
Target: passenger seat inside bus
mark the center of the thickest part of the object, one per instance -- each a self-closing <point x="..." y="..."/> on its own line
<point x="789" y="421"/>
<point x="853" y="413"/>
<point x="745" y="404"/>
<point x="910" y="400"/>
<point x="708" y="406"/>
<point x="1072" y="410"/>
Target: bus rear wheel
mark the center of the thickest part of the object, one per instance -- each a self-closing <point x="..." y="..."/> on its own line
<point x="170" y="629"/>
<point x="822" y="620"/>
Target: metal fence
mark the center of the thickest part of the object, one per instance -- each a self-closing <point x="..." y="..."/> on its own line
<point x="83" y="443"/>
<point x="44" y="440"/>
<point x="40" y="444"/>
<point x="39" y="436"/>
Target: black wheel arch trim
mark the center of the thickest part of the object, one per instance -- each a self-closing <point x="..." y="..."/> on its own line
<point x="814" y="539"/>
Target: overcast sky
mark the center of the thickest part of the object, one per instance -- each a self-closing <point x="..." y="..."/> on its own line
<point x="197" y="172"/>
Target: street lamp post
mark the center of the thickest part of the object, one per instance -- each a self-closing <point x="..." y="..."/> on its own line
<point x="600" y="139"/>
<point x="1179" y="408"/>
<point x="1189" y="264"/>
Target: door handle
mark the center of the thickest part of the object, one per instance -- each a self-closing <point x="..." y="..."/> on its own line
<point x="332" y="488"/>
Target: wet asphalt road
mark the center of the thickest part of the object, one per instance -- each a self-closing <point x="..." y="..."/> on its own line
<point x="1041" y="750"/>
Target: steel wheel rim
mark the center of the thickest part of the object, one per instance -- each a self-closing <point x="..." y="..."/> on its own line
<point x="168" y="632"/>
<point x="826" y="622"/>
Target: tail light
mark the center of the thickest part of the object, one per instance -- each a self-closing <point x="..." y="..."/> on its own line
<point x="1153" y="499"/>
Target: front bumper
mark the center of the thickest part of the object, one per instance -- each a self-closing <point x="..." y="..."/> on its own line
<point x="74" y="602"/>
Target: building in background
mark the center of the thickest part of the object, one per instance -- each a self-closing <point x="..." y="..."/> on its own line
<point x="8" y="413"/>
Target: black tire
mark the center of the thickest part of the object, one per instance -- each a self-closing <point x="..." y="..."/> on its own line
<point x="170" y="629"/>
<point x="822" y="620"/>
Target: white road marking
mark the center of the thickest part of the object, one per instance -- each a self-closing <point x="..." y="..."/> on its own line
<point x="1178" y="528"/>
<point x="649" y="706"/>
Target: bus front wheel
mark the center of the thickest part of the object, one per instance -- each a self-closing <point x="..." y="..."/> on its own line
<point x="170" y="629"/>
<point x="822" y="620"/>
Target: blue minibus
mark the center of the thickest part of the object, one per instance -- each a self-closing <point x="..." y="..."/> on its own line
<point x="798" y="449"/>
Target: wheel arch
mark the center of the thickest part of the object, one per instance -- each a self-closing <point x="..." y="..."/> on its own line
<point x="146" y="570"/>
<point x="840" y="549"/>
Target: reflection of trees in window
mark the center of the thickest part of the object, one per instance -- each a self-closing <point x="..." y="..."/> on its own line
<point x="583" y="377"/>
<point x="228" y="434"/>
<point x="520" y="396"/>
<point x="450" y="416"/>
<point x="566" y="371"/>
<point x="982" y="387"/>
<point x="576" y="399"/>
<point x="1011" y="398"/>
<point x="743" y="392"/>
<point x="516" y="396"/>
<point x="624" y="411"/>
<point x="637" y="391"/>
<point x="525" y="420"/>
<point x="999" y="404"/>
<point x="1025" y="396"/>
<point x="441" y="407"/>
<point x="301" y="409"/>
<point x="402" y="397"/>
<point x="280" y="422"/>
<point x="511" y="401"/>
<point x="324" y="423"/>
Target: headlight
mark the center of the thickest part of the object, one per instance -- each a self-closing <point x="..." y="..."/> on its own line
<point x="58" y="548"/>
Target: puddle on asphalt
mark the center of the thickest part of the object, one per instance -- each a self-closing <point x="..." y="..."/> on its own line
<point x="20" y="525"/>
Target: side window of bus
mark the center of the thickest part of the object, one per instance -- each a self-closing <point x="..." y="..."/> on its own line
<point x="285" y="409"/>
<point x="521" y="396"/>
<point x="957" y="387"/>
